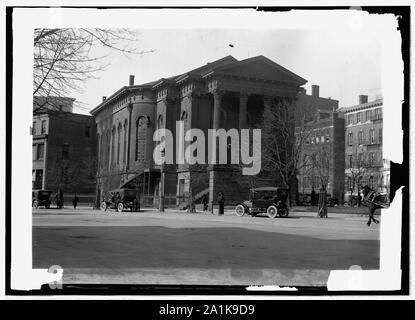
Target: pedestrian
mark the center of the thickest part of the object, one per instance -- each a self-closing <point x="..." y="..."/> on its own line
<point x="221" y="202"/>
<point x="75" y="201"/>
<point x="313" y="197"/>
<point x="205" y="201"/>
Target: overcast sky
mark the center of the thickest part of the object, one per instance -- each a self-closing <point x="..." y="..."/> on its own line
<point x="344" y="65"/>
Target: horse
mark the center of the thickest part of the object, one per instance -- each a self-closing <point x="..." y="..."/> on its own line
<point x="374" y="200"/>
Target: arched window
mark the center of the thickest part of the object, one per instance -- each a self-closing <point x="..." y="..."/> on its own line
<point x="160" y="121"/>
<point x="141" y="137"/>
<point x="113" y="146"/>
<point x="125" y="141"/>
<point x="118" y="143"/>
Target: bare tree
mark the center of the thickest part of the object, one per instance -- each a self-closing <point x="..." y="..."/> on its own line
<point x="357" y="169"/>
<point x="320" y="160"/>
<point x="64" y="58"/>
<point x="282" y="142"/>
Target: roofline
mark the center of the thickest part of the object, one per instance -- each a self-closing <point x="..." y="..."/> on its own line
<point x="118" y="93"/>
<point x="374" y="103"/>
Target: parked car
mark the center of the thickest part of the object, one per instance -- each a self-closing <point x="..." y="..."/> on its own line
<point x="269" y="200"/>
<point x="41" y="198"/>
<point x="120" y="199"/>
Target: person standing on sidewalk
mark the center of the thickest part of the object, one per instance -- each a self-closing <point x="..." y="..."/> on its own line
<point x="75" y="201"/>
<point x="205" y="201"/>
<point x="221" y="202"/>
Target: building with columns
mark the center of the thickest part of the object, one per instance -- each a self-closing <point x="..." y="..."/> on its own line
<point x="226" y="93"/>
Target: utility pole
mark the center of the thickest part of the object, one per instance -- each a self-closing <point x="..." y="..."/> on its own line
<point x="161" y="203"/>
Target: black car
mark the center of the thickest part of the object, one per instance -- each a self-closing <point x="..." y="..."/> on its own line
<point x="120" y="199"/>
<point x="41" y="198"/>
<point x="269" y="200"/>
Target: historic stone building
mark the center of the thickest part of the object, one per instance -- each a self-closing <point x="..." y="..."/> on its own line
<point x="363" y="147"/>
<point x="63" y="147"/>
<point x="226" y="93"/>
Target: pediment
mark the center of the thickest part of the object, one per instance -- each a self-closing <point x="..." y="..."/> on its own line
<point x="261" y="68"/>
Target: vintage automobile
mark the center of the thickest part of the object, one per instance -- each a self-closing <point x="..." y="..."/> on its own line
<point x="41" y="198"/>
<point x="269" y="200"/>
<point x="120" y="199"/>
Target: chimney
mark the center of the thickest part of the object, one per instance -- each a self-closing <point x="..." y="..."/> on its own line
<point x="131" y="83"/>
<point x="104" y="98"/>
<point x="315" y="90"/>
<point x="362" y="99"/>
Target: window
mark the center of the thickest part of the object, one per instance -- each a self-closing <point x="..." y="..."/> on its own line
<point x="372" y="136"/>
<point x="87" y="131"/>
<point x="371" y="159"/>
<point x="371" y="182"/>
<point x="367" y="115"/>
<point x="360" y="137"/>
<point x="43" y="128"/>
<point x="317" y="139"/>
<point x="358" y="117"/>
<point x="34" y="128"/>
<point x="65" y="151"/>
<point x="119" y="144"/>
<point x="349" y="182"/>
<point x="350" y="119"/>
<point x="350" y="161"/>
<point x="141" y="134"/>
<point x="125" y="142"/>
<point x="350" y="139"/>
<point x="322" y="139"/>
<point x="380" y="137"/>
<point x="40" y="151"/>
<point x="327" y="138"/>
<point x="360" y="159"/>
<point x="378" y="113"/>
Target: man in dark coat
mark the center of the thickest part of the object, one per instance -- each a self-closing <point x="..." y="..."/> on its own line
<point x="205" y="201"/>
<point x="221" y="201"/>
<point x="75" y="201"/>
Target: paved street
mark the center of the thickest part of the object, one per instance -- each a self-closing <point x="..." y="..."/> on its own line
<point x="177" y="247"/>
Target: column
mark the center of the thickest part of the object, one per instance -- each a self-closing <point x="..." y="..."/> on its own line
<point x="217" y="104"/>
<point x="243" y="102"/>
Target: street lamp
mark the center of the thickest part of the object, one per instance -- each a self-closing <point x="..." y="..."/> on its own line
<point x="161" y="203"/>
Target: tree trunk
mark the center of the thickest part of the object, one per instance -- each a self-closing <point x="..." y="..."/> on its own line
<point x="322" y="203"/>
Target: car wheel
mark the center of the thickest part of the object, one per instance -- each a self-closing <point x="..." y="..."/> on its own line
<point x="283" y="212"/>
<point x="120" y="207"/>
<point x="103" y="206"/>
<point x="239" y="210"/>
<point x="272" y="211"/>
<point x="35" y="204"/>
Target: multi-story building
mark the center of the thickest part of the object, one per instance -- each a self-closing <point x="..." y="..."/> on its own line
<point x="226" y="93"/>
<point x="311" y="107"/>
<point x="320" y="128"/>
<point x="364" y="163"/>
<point x="63" y="147"/>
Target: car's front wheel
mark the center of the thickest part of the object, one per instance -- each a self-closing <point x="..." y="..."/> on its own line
<point x="283" y="212"/>
<point x="35" y="204"/>
<point x="120" y="207"/>
<point x="103" y="206"/>
<point x="239" y="210"/>
<point x="272" y="211"/>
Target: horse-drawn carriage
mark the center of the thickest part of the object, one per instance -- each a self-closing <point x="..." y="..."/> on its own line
<point x="374" y="200"/>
